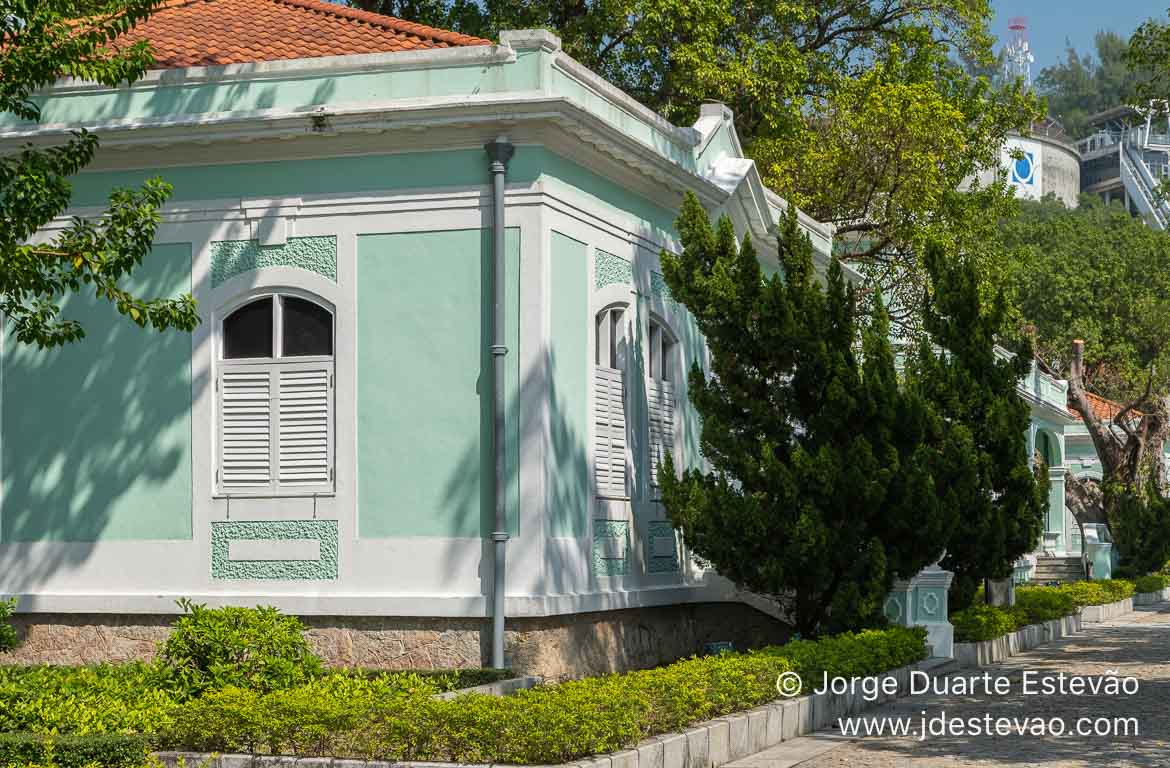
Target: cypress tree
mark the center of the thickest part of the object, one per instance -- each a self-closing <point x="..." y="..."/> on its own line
<point x="820" y="489"/>
<point x="997" y="499"/>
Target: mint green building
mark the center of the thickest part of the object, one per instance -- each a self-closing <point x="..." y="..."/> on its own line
<point x="1068" y="549"/>
<point x="322" y="442"/>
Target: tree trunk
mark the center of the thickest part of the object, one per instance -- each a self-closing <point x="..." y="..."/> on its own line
<point x="1130" y="445"/>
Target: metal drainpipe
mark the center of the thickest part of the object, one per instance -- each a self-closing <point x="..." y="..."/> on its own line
<point x="500" y="151"/>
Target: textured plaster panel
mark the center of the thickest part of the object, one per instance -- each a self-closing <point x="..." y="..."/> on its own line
<point x="656" y="563"/>
<point x="235" y="257"/>
<point x="322" y="569"/>
<point x="612" y="270"/>
<point x="660" y="289"/>
<point x="604" y="532"/>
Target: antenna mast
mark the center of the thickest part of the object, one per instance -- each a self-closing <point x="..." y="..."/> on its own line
<point x="1019" y="57"/>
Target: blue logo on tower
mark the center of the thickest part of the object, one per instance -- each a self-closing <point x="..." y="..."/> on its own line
<point x="1024" y="169"/>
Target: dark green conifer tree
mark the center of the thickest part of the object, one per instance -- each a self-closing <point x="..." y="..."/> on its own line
<point x="820" y="489"/>
<point x="998" y="499"/>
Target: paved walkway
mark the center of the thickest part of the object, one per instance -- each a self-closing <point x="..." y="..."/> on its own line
<point x="1136" y="645"/>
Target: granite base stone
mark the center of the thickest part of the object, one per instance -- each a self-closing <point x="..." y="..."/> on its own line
<point x="552" y="648"/>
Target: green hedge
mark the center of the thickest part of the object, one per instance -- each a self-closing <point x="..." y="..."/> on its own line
<point x="8" y="637"/>
<point x="444" y="679"/>
<point x="986" y="622"/>
<point x="545" y="725"/>
<point x="105" y="698"/>
<point x="107" y="750"/>
<point x="1098" y="592"/>
<point x="140" y="698"/>
<point x="1041" y="604"/>
<point x="209" y="692"/>
<point x="1152" y="583"/>
<point x="854" y="654"/>
<point x="1035" y="605"/>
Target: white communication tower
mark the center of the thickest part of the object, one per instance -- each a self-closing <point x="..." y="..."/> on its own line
<point x="1019" y="58"/>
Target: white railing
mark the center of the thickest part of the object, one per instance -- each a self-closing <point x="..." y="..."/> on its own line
<point x="1140" y="182"/>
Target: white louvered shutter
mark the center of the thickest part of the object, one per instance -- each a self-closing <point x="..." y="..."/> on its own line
<point x="304" y="425"/>
<point x="609" y="450"/>
<point x="660" y="398"/>
<point x="245" y="428"/>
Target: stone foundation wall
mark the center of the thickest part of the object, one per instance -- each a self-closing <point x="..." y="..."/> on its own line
<point x="561" y="647"/>
<point x="52" y="638"/>
<point x="553" y="647"/>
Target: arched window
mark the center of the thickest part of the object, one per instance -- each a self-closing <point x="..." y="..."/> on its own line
<point x="609" y="403"/>
<point x="275" y="398"/>
<point x="1048" y="448"/>
<point x="662" y="368"/>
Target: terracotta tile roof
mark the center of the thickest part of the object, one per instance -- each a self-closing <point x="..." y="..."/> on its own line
<point x="192" y="33"/>
<point x="1105" y="409"/>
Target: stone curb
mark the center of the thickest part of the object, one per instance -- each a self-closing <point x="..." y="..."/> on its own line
<point x="997" y="649"/>
<point x="1095" y="614"/>
<point x="1149" y="598"/>
<point x="705" y="745"/>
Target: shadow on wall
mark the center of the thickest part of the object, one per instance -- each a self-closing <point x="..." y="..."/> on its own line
<point x="196" y="101"/>
<point x="96" y="434"/>
<point x="569" y="498"/>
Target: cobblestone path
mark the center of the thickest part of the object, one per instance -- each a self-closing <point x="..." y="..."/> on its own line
<point x="1137" y="645"/>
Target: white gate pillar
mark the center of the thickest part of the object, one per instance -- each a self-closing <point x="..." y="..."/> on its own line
<point x="922" y="602"/>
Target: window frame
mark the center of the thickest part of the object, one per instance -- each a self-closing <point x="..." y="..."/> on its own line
<point x="619" y="349"/>
<point x="663" y="364"/>
<point x="273" y="366"/>
<point x="276" y="294"/>
<point x="617" y="346"/>
<point x="658" y="359"/>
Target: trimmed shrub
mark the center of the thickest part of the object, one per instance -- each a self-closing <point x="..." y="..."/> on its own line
<point x="1035" y="605"/>
<point x="139" y="698"/>
<point x="257" y="648"/>
<point x="69" y="751"/>
<point x="986" y="622"/>
<point x="1098" y="592"/>
<point x="357" y="717"/>
<point x="444" y="679"/>
<point x="8" y="637"/>
<point x="1041" y="604"/>
<point x="854" y="654"/>
<point x="106" y="698"/>
<point x="1153" y="582"/>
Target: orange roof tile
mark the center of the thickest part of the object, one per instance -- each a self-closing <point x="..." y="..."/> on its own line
<point x="1105" y="409"/>
<point x="194" y="33"/>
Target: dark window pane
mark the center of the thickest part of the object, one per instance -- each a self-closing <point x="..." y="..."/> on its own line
<point x="247" y="332"/>
<point x="308" y="328"/>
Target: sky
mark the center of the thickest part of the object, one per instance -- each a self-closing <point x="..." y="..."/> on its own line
<point x="1051" y="21"/>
